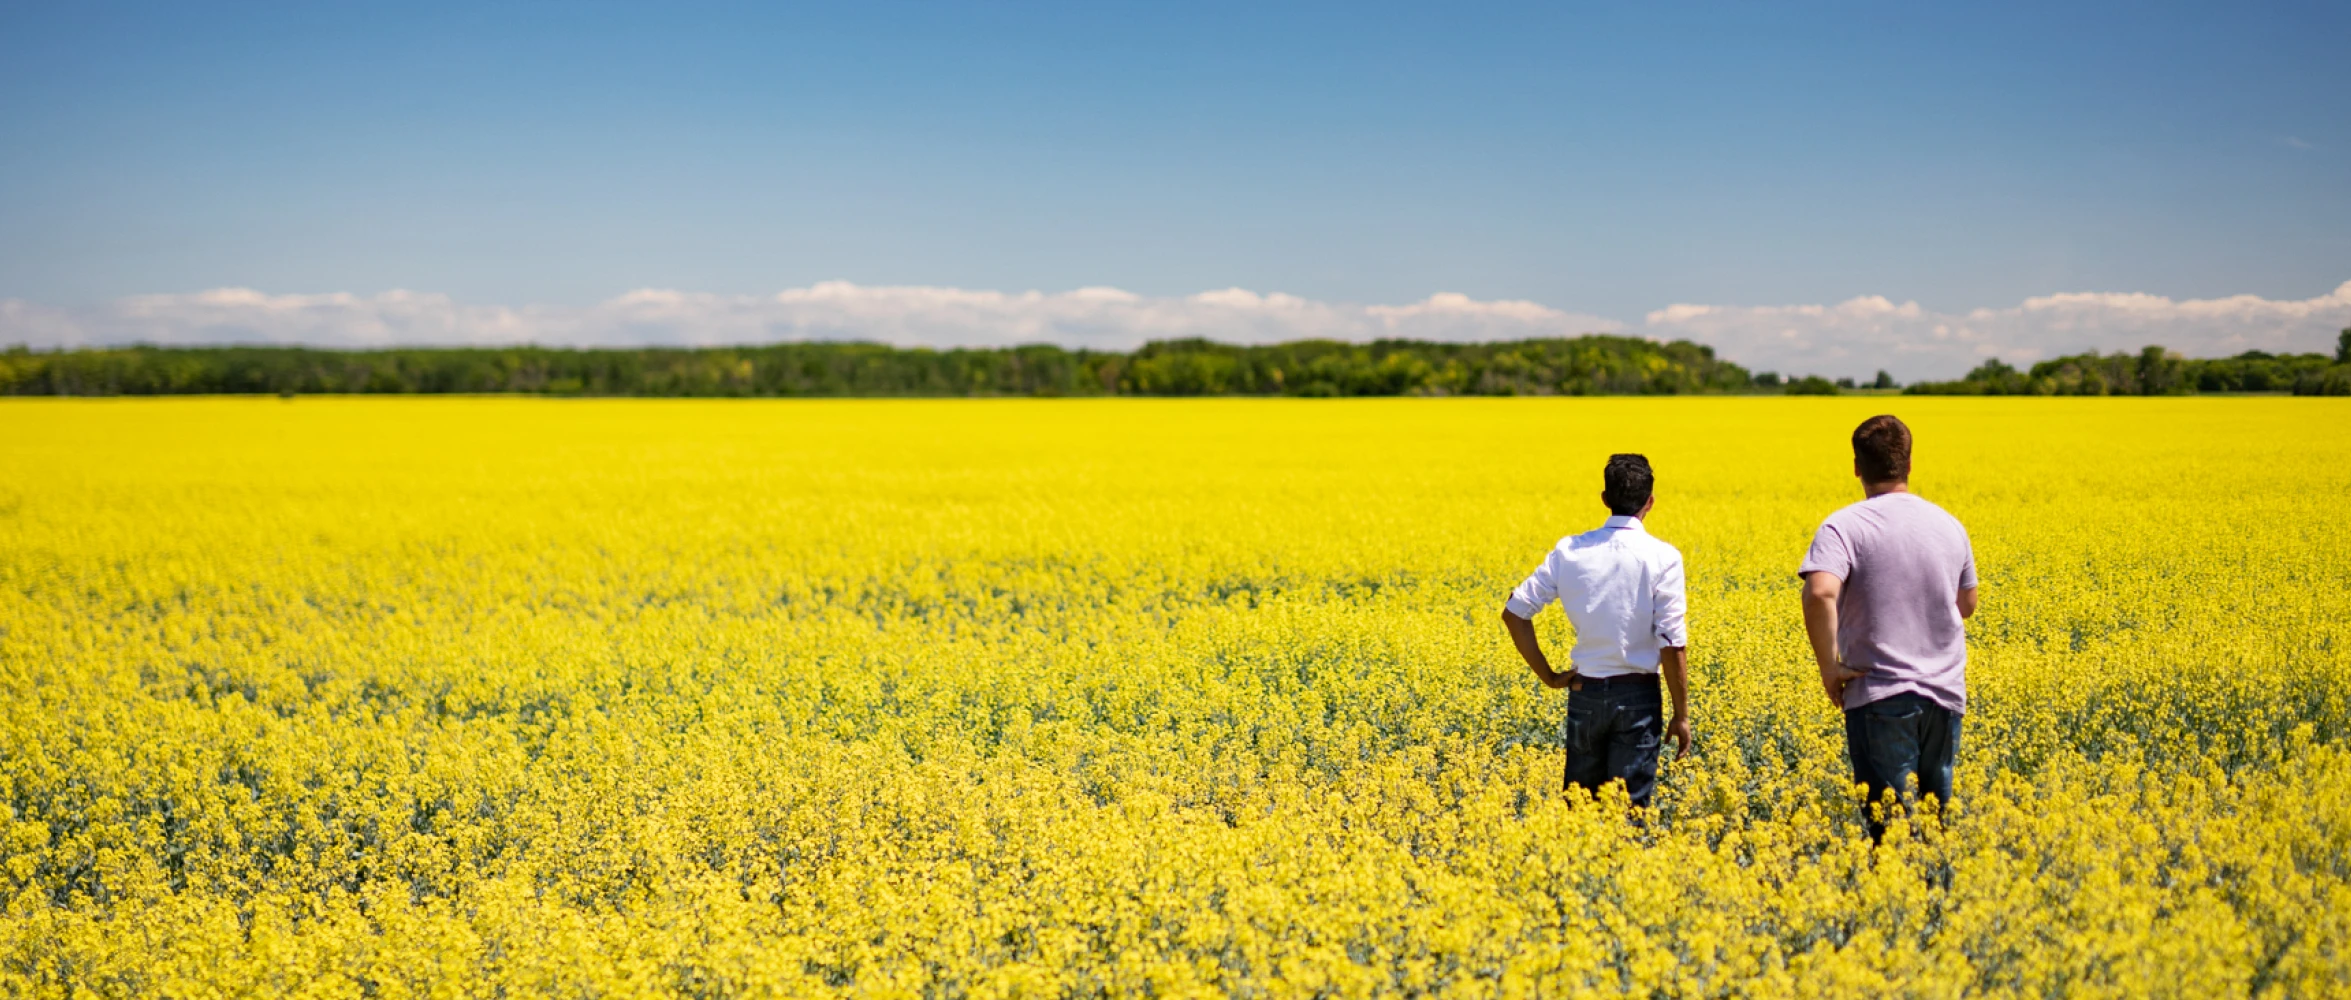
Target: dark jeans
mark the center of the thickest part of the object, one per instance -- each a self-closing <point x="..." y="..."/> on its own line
<point x="1894" y="740"/>
<point x="1614" y="727"/>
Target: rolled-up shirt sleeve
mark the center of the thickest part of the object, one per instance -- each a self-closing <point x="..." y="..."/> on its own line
<point x="1672" y="605"/>
<point x="1540" y="588"/>
<point x="1828" y="554"/>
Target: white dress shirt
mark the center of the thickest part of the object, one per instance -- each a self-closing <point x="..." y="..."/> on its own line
<point x="1622" y="590"/>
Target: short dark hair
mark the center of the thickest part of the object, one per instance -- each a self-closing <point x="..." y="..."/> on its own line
<point x="1626" y="484"/>
<point x="1881" y="450"/>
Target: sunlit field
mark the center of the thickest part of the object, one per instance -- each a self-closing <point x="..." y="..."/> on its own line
<point x="408" y="697"/>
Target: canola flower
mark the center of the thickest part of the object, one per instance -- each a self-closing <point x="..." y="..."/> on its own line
<point x="522" y="697"/>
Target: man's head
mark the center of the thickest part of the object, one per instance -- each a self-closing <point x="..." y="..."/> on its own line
<point x="1626" y="484"/>
<point x="1881" y="450"/>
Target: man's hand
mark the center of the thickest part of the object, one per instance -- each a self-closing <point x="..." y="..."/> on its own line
<point x="1821" y="591"/>
<point x="1522" y="635"/>
<point x="1833" y="679"/>
<point x="1678" y="732"/>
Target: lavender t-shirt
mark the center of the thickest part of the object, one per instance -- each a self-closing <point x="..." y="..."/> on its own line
<point x="1904" y="562"/>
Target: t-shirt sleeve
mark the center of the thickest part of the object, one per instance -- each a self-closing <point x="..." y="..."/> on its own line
<point x="1966" y="562"/>
<point x="1540" y="588"/>
<point x="1830" y="554"/>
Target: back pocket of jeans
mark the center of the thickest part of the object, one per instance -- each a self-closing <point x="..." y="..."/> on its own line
<point x="1579" y="724"/>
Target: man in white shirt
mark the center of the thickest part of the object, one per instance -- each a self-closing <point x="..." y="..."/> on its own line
<point x="1622" y="590"/>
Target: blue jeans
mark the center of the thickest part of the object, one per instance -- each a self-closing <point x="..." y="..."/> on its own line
<point x="1894" y="740"/>
<point x="1614" y="727"/>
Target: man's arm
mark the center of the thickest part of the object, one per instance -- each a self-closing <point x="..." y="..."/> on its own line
<point x="1673" y="649"/>
<point x="1674" y="663"/>
<point x="1522" y="635"/>
<point x="1820" y="624"/>
<point x="1967" y="582"/>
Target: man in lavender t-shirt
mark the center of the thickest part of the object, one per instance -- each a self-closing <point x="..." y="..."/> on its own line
<point x="1888" y="584"/>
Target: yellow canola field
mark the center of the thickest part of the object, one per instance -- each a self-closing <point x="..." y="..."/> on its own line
<point x="524" y="697"/>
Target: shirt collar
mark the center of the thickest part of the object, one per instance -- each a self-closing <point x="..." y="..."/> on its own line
<point x="1621" y="522"/>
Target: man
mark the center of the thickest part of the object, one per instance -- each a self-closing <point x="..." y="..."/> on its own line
<point x="1622" y="590"/>
<point x="1888" y="584"/>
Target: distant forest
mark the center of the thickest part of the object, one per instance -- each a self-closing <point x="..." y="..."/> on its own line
<point x="2157" y="372"/>
<point x="1588" y="365"/>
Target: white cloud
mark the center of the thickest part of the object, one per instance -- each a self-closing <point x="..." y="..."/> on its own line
<point x="1859" y="336"/>
<point x="1854" y="337"/>
<point x="833" y="310"/>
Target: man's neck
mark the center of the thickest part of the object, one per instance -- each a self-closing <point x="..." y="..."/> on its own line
<point x="1872" y="491"/>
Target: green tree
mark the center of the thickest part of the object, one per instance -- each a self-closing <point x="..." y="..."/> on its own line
<point x="2343" y="347"/>
<point x="2161" y="372"/>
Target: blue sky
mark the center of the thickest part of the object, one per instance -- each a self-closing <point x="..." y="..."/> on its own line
<point x="1604" y="162"/>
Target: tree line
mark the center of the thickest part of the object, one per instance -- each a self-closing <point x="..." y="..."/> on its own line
<point x="1595" y="364"/>
<point x="2155" y="371"/>
<point x="1588" y="365"/>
